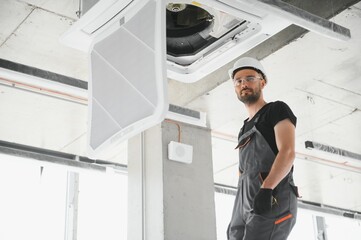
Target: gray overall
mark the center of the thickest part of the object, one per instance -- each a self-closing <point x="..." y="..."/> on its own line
<point x="255" y="161"/>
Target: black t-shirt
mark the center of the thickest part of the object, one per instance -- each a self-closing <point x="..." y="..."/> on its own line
<point x="270" y="115"/>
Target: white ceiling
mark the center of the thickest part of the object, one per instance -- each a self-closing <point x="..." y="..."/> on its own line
<point x="319" y="78"/>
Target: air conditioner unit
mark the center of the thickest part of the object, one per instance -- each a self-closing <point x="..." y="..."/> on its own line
<point x="228" y="29"/>
<point x="206" y="34"/>
<point x="134" y="45"/>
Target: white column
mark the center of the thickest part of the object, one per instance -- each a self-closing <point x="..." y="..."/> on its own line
<point x="167" y="199"/>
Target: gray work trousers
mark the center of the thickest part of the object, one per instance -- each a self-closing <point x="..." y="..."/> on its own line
<point x="256" y="159"/>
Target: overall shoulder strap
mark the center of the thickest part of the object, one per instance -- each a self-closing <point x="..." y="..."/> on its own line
<point x="260" y="112"/>
<point x="257" y="116"/>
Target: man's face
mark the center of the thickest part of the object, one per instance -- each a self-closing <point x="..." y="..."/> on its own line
<point x="248" y="85"/>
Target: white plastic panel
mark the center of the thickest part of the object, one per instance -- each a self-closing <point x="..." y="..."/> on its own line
<point x="128" y="81"/>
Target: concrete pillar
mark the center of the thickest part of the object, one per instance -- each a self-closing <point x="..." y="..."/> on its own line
<point x="167" y="199"/>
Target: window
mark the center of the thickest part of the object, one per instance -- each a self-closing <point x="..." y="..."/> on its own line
<point x="103" y="206"/>
<point x="33" y="202"/>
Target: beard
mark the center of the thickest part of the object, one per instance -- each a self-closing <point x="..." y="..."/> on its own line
<point x="249" y="97"/>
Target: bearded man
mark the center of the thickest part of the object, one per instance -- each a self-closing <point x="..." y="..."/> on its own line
<point x="266" y="202"/>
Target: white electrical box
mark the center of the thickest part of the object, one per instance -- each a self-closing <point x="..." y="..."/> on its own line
<point x="180" y="152"/>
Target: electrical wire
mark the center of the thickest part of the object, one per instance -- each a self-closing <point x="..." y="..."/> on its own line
<point x="178" y="126"/>
<point x="45" y="91"/>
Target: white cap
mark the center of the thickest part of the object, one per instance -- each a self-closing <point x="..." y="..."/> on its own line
<point x="247" y="62"/>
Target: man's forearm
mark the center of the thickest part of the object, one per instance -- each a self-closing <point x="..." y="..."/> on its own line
<point x="280" y="168"/>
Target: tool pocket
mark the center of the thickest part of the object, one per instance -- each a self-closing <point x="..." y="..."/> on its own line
<point x="283" y="218"/>
<point x="277" y="227"/>
<point x="283" y="226"/>
<point x="262" y="176"/>
<point x="295" y="190"/>
<point x="245" y="141"/>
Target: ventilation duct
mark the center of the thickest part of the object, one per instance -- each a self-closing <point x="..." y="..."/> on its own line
<point x="134" y="45"/>
<point x="336" y="152"/>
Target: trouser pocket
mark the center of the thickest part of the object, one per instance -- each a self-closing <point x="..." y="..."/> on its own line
<point x="295" y="190"/>
<point x="282" y="226"/>
<point x="259" y="227"/>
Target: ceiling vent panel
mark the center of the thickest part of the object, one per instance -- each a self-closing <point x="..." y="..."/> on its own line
<point x="128" y="77"/>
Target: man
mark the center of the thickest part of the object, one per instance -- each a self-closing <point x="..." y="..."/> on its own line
<point x="265" y="207"/>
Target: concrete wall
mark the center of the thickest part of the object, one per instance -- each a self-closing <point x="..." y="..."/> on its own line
<point x="178" y="197"/>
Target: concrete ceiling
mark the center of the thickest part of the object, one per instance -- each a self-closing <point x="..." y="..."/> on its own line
<point x="319" y="78"/>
